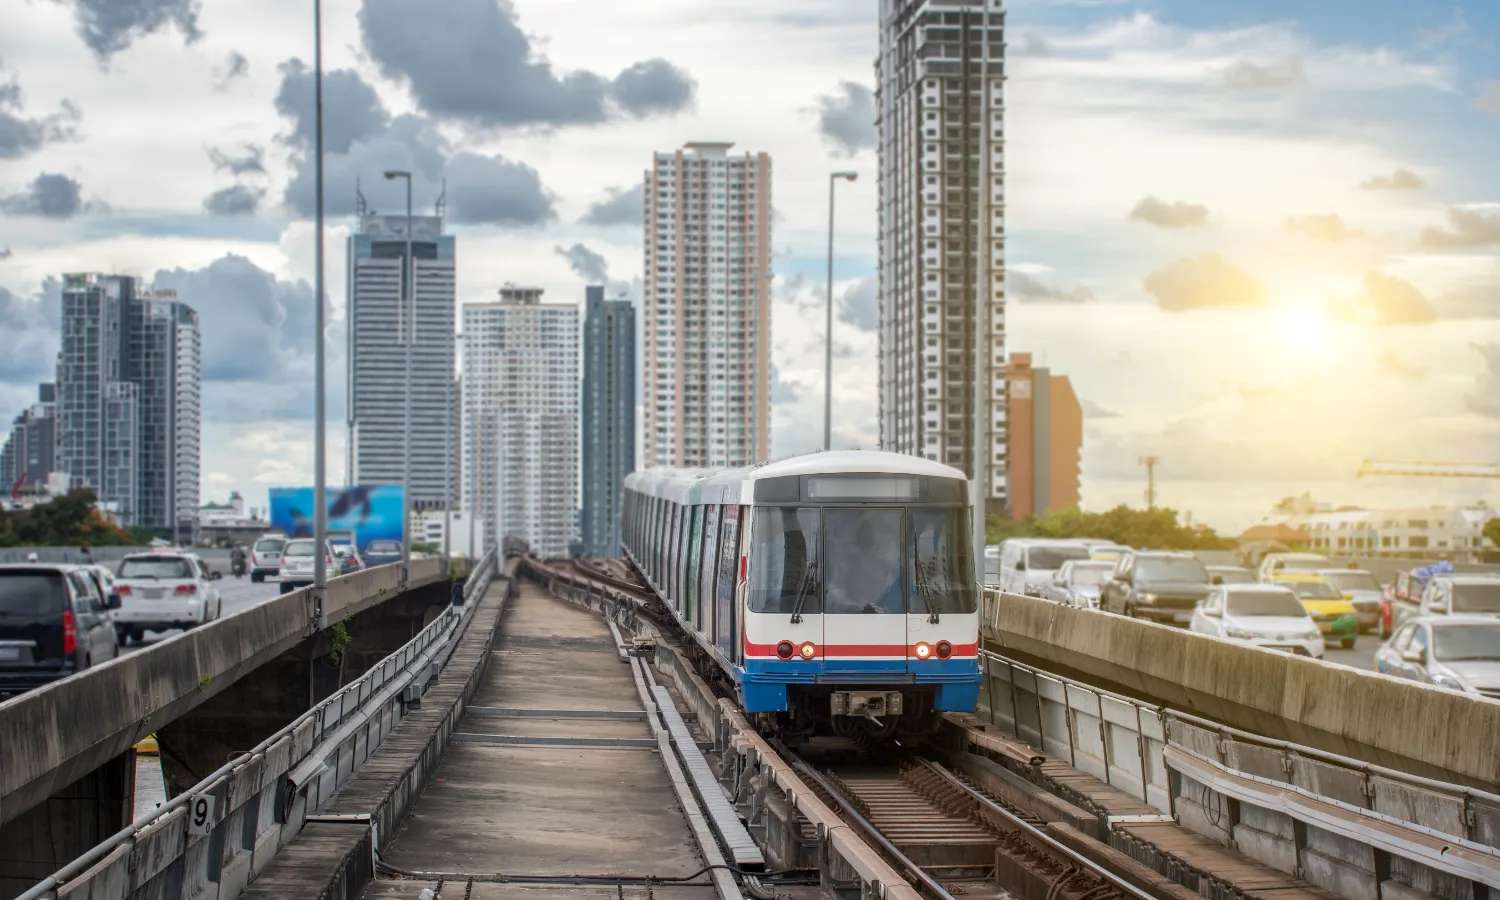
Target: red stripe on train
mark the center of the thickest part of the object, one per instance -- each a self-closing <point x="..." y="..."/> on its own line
<point x="899" y="651"/>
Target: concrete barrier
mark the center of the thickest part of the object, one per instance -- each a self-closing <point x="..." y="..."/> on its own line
<point x="1364" y="715"/>
<point x="51" y="737"/>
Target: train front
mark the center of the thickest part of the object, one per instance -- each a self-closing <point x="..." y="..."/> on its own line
<point x="861" y="607"/>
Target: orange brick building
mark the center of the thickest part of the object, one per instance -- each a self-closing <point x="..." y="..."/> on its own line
<point x="1045" y="437"/>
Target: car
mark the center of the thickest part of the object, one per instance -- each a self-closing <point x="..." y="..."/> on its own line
<point x="1447" y="595"/>
<point x="265" y="556"/>
<point x="1107" y="551"/>
<point x="1273" y="563"/>
<point x="1458" y="652"/>
<point x="1078" y="582"/>
<point x="54" y="621"/>
<point x="1230" y="575"/>
<point x="1261" y="615"/>
<point x="164" y="589"/>
<point x="1160" y="585"/>
<point x="1027" y="564"/>
<point x="382" y="551"/>
<point x="1361" y="589"/>
<point x="1326" y="604"/>
<point x="297" y="563"/>
<point x="347" y="556"/>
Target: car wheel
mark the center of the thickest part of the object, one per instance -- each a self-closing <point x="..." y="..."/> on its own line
<point x="1347" y="643"/>
<point x="257" y="577"/>
<point x="122" y="636"/>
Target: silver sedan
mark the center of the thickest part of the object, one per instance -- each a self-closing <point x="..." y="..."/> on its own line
<point x="1460" y="653"/>
<point x="1078" y="582"/>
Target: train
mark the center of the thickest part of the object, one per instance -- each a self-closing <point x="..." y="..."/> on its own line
<point x="834" y="591"/>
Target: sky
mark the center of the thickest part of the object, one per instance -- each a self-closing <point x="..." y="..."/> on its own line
<point x="1262" y="239"/>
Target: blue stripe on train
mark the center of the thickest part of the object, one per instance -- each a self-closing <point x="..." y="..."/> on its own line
<point x="763" y="682"/>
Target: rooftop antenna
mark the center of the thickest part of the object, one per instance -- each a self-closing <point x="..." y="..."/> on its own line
<point x="360" y="206"/>
<point x="442" y="201"/>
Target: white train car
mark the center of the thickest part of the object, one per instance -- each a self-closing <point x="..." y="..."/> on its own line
<point x="835" y="590"/>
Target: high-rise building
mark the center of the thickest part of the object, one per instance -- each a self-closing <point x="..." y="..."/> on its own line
<point x="608" y="417"/>
<point x="940" y="118"/>
<point x="520" y="417"/>
<point x="1046" y="439"/>
<point x="129" y="400"/>
<point x="30" y="453"/>
<point x="378" y="374"/>
<point x="707" y="307"/>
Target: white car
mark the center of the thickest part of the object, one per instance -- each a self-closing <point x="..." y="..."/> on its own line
<point x="164" y="590"/>
<point x="1261" y="615"/>
<point x="1079" y="582"/>
<point x="1275" y="563"/>
<point x="1026" y="565"/>
<point x="1457" y="652"/>
<point x="297" y="563"/>
<point x="1461" y="594"/>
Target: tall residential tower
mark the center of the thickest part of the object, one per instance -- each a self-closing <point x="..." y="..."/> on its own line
<point x="707" y="307"/>
<point x="608" y="417"/>
<point x="940" y="112"/>
<point x="520" y="419"/>
<point x="377" y="357"/>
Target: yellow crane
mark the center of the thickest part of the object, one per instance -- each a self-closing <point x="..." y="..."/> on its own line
<point x="1373" y="467"/>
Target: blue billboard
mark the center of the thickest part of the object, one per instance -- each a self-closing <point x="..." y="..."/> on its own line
<point x="367" y="511"/>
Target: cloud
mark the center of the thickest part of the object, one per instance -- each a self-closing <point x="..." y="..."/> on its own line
<point x="1328" y="227"/>
<point x="469" y="60"/>
<point x="1471" y="301"/>
<point x="21" y="135"/>
<point x="109" y="26"/>
<point x="5" y="253"/>
<point x="49" y="195"/>
<point x="653" y="86"/>
<point x="493" y="190"/>
<point x="1169" y="215"/>
<point x="235" y="66"/>
<point x="251" y="162"/>
<point x="1385" y="300"/>
<point x="1247" y="75"/>
<point x="622" y="206"/>
<point x="585" y="263"/>
<point x="1092" y="410"/>
<point x="1399" y="180"/>
<point x="1489" y="98"/>
<point x="1473" y="226"/>
<point x="235" y="200"/>
<point x="1485" y="398"/>
<point x="1028" y="288"/>
<point x="1202" y="283"/>
<point x="351" y="108"/>
<point x="859" y="305"/>
<point x="1391" y="361"/>
<point x="846" y="118"/>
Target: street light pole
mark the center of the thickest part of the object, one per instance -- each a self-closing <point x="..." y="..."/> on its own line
<point x="833" y="178"/>
<point x="407" y="304"/>
<point x="320" y="413"/>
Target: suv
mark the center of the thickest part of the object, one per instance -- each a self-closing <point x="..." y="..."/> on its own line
<point x="265" y="556"/>
<point x="1028" y="564"/>
<point x="54" y="621"/>
<point x="1448" y="595"/>
<point x="164" y="590"/>
<point x="297" y="563"/>
<point x="1158" y="585"/>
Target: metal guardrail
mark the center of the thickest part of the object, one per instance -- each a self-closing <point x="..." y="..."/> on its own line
<point x="212" y="839"/>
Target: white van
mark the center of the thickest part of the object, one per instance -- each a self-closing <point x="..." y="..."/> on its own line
<point x="1026" y="565"/>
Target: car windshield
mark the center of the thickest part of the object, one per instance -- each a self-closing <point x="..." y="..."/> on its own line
<point x="269" y="545"/>
<point x="1052" y="556"/>
<point x="30" y="594"/>
<point x="1477" y="597"/>
<point x="1083" y="575"/>
<point x="1467" y="641"/>
<point x="155" y="567"/>
<point x="1233" y="576"/>
<point x="1170" y="568"/>
<point x="1315" y="590"/>
<point x="299" y="548"/>
<point x="1304" y="564"/>
<point x="1264" y="602"/>
<point x="384" y="547"/>
<point x="1352" y="581"/>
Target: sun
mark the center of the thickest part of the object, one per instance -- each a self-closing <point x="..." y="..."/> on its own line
<point x="1304" y="328"/>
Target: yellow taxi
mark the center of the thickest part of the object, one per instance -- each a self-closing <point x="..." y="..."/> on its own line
<point x="1333" y="613"/>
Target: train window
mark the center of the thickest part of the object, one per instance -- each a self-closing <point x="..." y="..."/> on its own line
<point x="708" y="565"/>
<point x="862" y="549"/>
<point x="729" y="562"/>
<point x="675" y="556"/>
<point x="783" y="560"/>
<point x="941" y="580"/>
<point x="690" y="567"/>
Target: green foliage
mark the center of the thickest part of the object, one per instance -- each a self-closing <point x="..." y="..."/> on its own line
<point x="1157" y="529"/>
<point x="424" y="547"/>
<point x="338" y="641"/>
<point x="68" y="521"/>
<point x="1492" y="531"/>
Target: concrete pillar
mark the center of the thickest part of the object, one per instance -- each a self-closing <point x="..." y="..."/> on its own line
<point x="47" y="837"/>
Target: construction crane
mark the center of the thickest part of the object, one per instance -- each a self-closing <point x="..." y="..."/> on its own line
<point x="1371" y="467"/>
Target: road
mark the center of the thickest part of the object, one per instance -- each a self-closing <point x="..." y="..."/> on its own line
<point x="238" y="594"/>
<point x="1360" y="656"/>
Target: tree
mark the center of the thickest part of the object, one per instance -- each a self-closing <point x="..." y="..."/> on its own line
<point x="1157" y="529"/>
<point x="71" y="520"/>
<point x="1492" y="531"/>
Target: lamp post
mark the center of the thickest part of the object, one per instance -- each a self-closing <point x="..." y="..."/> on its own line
<point x="320" y="412"/>
<point x="408" y="336"/>
<point x="833" y="178"/>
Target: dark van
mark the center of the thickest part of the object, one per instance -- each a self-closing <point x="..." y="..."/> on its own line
<point x="54" y="621"/>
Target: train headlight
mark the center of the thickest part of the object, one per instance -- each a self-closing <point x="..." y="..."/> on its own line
<point x="807" y="650"/>
<point x="923" y="651"/>
<point x="944" y="649"/>
<point x="785" y="649"/>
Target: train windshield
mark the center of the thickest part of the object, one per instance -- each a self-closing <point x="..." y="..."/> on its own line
<point x="849" y="560"/>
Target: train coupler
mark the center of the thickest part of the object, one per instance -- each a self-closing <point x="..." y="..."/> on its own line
<point x="866" y="704"/>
